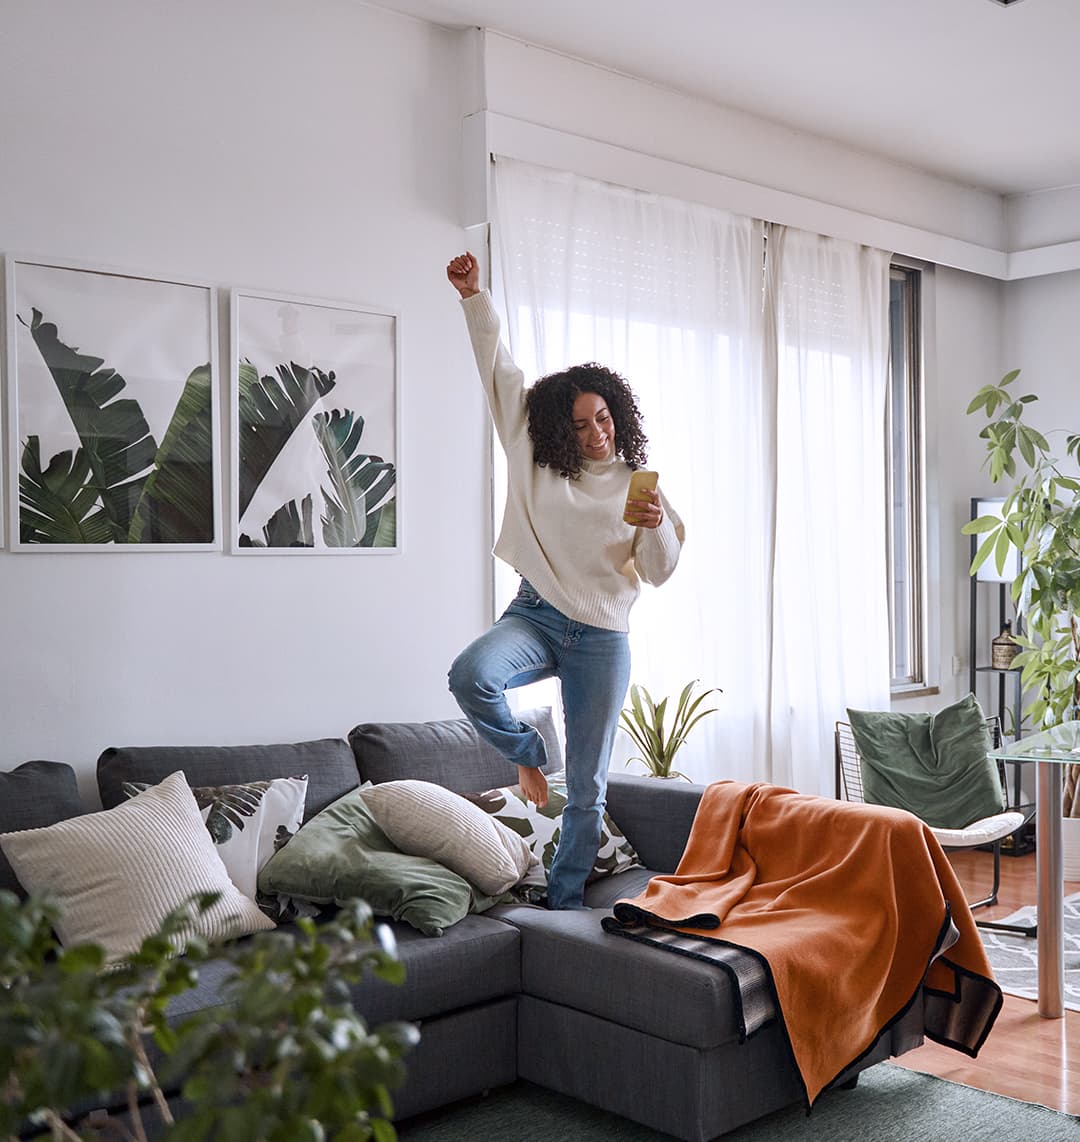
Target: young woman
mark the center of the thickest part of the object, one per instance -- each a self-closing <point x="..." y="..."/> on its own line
<point x="571" y="442"/>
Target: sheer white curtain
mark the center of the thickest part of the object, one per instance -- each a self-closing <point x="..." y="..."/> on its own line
<point x="669" y="294"/>
<point x="827" y="313"/>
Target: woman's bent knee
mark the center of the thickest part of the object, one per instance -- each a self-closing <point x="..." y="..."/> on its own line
<point x="467" y="677"/>
<point x="460" y="677"/>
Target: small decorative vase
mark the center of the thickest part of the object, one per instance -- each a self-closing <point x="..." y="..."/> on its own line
<point x="1004" y="649"/>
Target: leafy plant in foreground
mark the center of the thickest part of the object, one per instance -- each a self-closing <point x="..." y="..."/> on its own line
<point x="286" y="1057"/>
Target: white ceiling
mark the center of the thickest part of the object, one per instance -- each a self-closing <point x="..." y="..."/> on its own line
<point x="982" y="94"/>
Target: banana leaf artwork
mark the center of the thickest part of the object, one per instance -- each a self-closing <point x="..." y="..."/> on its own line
<point x="104" y="459"/>
<point x="314" y="426"/>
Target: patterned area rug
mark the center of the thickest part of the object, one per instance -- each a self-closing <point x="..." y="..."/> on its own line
<point x="1014" y="958"/>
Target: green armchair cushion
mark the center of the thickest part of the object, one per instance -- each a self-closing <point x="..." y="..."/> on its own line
<point x="933" y="765"/>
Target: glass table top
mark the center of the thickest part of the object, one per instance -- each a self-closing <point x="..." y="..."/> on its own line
<point x="1060" y="744"/>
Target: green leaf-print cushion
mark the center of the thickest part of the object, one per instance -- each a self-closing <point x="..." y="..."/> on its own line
<point x="541" y="829"/>
<point x="248" y="823"/>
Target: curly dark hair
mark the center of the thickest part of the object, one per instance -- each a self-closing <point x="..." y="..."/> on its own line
<point x="550" y="404"/>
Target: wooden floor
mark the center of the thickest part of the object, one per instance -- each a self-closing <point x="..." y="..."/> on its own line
<point x="1025" y="1056"/>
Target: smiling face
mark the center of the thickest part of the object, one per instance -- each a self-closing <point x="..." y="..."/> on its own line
<point x="593" y="426"/>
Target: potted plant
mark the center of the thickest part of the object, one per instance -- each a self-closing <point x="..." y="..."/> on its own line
<point x="285" y="1057"/>
<point x="644" y="721"/>
<point x="1041" y="519"/>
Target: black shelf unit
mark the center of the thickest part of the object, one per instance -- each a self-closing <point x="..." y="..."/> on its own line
<point x="1007" y="706"/>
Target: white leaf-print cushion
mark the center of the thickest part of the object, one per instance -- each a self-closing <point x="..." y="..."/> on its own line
<point x="540" y="828"/>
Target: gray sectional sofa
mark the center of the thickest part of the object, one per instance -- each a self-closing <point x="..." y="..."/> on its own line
<point x="515" y="991"/>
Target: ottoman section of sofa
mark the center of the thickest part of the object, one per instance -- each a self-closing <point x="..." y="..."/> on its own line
<point x="568" y="959"/>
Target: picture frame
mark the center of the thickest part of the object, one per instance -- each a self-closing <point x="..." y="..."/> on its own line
<point x="315" y="426"/>
<point x="113" y="437"/>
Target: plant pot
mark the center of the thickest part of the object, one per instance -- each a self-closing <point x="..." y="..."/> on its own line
<point x="1070" y="845"/>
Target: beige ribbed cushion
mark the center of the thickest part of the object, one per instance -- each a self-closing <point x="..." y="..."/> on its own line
<point x="117" y="874"/>
<point x="424" y="819"/>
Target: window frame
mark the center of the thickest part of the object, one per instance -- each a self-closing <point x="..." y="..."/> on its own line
<point x="912" y="470"/>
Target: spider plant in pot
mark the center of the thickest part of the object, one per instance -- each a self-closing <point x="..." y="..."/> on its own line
<point x="645" y="721"/>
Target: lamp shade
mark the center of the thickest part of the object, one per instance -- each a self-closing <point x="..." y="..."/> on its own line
<point x="988" y="572"/>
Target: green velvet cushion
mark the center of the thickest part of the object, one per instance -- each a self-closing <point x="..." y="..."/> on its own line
<point x="342" y="853"/>
<point x="933" y="765"/>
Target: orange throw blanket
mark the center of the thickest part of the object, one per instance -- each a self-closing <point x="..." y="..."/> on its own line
<point x="850" y="906"/>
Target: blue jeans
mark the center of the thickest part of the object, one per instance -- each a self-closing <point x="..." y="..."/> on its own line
<point x="531" y="641"/>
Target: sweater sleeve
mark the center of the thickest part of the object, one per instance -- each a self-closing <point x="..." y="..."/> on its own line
<point x="503" y="381"/>
<point x="657" y="550"/>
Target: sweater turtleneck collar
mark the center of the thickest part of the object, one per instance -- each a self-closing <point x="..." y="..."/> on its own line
<point x="598" y="467"/>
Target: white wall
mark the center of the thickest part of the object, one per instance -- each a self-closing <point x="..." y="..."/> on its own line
<point x="1042" y="339"/>
<point x="966" y="354"/>
<point x="309" y="148"/>
<point x="984" y="329"/>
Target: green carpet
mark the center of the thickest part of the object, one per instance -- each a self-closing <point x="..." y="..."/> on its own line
<point x="890" y="1104"/>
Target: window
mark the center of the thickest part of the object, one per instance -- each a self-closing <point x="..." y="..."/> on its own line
<point x="904" y="482"/>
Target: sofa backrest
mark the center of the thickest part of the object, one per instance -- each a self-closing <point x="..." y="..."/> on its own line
<point x="328" y="764"/>
<point x="656" y="814"/>
<point x="35" y="794"/>
<point x="448" y="753"/>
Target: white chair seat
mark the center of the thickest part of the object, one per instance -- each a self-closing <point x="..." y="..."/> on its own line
<point x="982" y="832"/>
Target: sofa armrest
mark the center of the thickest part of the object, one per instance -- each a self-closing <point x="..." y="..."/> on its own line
<point x="655" y="815"/>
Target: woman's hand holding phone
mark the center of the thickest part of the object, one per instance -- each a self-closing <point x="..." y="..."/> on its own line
<point x="643" y="508"/>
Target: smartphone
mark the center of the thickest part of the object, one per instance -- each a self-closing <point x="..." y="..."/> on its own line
<point x="639" y="479"/>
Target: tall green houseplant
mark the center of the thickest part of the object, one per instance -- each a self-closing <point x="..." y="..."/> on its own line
<point x="1041" y="519"/>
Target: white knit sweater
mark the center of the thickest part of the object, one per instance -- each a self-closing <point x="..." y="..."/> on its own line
<point x="567" y="537"/>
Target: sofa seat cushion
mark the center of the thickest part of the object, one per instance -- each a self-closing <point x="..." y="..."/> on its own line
<point x="604" y="892"/>
<point x="328" y="765"/>
<point x="475" y="961"/>
<point x="567" y="958"/>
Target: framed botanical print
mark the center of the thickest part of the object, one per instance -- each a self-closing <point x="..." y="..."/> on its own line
<point x="113" y="436"/>
<point x="315" y="426"/>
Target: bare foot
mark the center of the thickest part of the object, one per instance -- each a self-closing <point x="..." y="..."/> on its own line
<point x="533" y="784"/>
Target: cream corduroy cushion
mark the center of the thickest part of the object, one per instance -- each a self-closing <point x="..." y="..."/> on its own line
<point x="424" y="819"/>
<point x="118" y="873"/>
